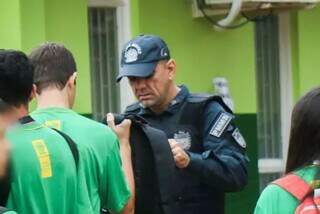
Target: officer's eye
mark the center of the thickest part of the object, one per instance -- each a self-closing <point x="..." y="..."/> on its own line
<point x="131" y="79"/>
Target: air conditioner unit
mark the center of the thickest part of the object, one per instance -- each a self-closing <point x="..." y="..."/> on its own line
<point x="222" y="7"/>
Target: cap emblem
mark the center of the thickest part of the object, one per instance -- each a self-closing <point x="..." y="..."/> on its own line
<point x="164" y="52"/>
<point x="132" y="52"/>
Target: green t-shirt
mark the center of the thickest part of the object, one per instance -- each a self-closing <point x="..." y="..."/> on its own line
<point x="276" y="200"/>
<point x="99" y="157"/>
<point x="4" y="210"/>
<point x="10" y="212"/>
<point x="43" y="171"/>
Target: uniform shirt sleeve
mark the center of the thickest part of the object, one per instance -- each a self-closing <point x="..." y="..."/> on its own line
<point x="223" y="164"/>
<point x="275" y="200"/>
<point x="118" y="192"/>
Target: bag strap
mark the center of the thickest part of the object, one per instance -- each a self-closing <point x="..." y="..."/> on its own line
<point x="5" y="186"/>
<point x="295" y="185"/>
<point x="72" y="145"/>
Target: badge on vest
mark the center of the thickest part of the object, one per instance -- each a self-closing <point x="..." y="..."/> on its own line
<point x="183" y="139"/>
<point x="237" y="136"/>
<point x="221" y="124"/>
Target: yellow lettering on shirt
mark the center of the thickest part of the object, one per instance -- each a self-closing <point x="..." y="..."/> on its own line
<point x="54" y="124"/>
<point x="44" y="158"/>
<point x="315" y="184"/>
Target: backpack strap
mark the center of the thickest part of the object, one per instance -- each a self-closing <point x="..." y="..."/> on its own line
<point x="5" y="186"/>
<point x="72" y="145"/>
<point x="295" y="185"/>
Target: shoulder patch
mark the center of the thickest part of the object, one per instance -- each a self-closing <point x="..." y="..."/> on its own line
<point x="221" y="124"/>
<point x="237" y="136"/>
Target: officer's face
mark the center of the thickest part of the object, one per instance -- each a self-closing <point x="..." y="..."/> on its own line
<point x="153" y="91"/>
<point x="4" y="147"/>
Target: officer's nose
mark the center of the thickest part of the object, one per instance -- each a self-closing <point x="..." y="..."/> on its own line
<point x="140" y="83"/>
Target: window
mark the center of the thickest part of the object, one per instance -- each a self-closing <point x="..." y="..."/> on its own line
<point x="273" y="72"/>
<point x="104" y="60"/>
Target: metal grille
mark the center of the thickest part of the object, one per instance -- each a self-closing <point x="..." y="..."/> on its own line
<point x="104" y="62"/>
<point x="268" y="88"/>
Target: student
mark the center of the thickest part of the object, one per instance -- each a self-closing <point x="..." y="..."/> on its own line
<point x="43" y="174"/>
<point x="55" y="78"/>
<point x="302" y="164"/>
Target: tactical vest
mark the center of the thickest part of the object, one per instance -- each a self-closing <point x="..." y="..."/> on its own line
<point x="187" y="195"/>
<point x="153" y="166"/>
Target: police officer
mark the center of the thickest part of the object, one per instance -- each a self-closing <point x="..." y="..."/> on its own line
<point x="207" y="146"/>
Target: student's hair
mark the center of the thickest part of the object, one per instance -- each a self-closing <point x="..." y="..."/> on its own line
<point x="54" y="64"/>
<point x="4" y="107"/>
<point x="304" y="144"/>
<point x="16" y="77"/>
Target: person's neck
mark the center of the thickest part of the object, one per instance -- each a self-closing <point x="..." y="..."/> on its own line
<point x="22" y="111"/>
<point x="52" y="98"/>
<point x="172" y="93"/>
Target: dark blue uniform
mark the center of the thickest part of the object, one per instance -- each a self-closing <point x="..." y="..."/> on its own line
<point x="205" y="129"/>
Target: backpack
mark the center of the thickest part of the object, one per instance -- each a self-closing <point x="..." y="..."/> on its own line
<point x="306" y="194"/>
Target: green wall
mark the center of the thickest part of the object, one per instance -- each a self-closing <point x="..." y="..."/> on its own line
<point x="26" y="24"/>
<point x="10" y="25"/>
<point x="246" y="199"/>
<point x="201" y="52"/>
<point x="308" y="49"/>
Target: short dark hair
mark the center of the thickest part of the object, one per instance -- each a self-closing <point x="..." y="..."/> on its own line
<point x="54" y="64"/>
<point x="304" y="143"/>
<point x="4" y="107"/>
<point x="16" y="77"/>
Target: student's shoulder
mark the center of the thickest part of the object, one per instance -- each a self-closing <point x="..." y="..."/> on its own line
<point x="96" y="128"/>
<point x="274" y="199"/>
<point x="90" y="123"/>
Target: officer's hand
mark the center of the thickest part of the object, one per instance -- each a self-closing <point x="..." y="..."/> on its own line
<point x="181" y="158"/>
<point x="122" y="130"/>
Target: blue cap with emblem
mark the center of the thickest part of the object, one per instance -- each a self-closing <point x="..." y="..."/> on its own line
<point x="141" y="55"/>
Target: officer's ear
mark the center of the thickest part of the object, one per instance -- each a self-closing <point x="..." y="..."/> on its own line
<point x="171" y="66"/>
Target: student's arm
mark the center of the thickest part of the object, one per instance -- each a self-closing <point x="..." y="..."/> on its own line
<point x="125" y="152"/>
<point x="123" y="132"/>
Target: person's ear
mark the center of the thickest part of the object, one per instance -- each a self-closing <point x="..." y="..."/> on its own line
<point x="33" y="93"/>
<point x="72" y="82"/>
<point x="171" y="66"/>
